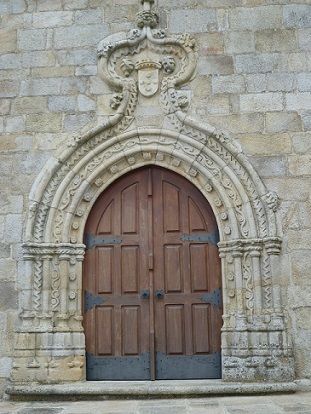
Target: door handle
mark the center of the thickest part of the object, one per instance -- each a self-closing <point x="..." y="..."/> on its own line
<point x="145" y="294"/>
<point x="159" y="294"/>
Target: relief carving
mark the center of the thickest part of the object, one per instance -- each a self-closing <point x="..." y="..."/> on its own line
<point x="147" y="62"/>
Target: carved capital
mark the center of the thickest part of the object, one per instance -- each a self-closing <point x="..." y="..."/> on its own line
<point x="273" y="245"/>
<point x="32" y="251"/>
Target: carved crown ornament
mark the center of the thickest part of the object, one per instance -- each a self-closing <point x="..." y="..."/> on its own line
<point x="146" y="56"/>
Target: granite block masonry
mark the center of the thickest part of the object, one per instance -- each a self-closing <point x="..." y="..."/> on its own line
<point x="252" y="96"/>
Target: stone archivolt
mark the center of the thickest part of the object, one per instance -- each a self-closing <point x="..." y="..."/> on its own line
<point x="145" y="62"/>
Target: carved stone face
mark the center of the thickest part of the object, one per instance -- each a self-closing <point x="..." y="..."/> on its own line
<point x="168" y="64"/>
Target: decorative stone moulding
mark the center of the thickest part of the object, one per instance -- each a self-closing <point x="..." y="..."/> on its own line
<point x="146" y="65"/>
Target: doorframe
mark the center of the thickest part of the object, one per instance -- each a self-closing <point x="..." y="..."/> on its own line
<point x="50" y="339"/>
<point x="99" y="363"/>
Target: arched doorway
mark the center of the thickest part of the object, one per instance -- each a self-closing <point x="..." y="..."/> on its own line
<point x="152" y="281"/>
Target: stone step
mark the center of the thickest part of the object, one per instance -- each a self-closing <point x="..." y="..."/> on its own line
<point x="143" y="389"/>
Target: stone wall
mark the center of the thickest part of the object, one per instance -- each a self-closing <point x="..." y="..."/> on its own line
<point x="253" y="81"/>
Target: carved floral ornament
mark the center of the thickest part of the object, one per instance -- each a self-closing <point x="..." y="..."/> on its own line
<point x="146" y="62"/>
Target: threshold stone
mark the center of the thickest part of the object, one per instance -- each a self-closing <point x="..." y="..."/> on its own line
<point x="146" y="389"/>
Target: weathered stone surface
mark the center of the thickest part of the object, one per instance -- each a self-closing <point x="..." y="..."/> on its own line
<point x="62" y="103"/>
<point x="43" y="122"/>
<point x="5" y="367"/>
<point x="15" y="124"/>
<point x="246" y="123"/>
<point x="7" y="267"/>
<point x="79" y="36"/>
<point x="297" y="15"/>
<point x="75" y="122"/>
<point x="75" y="4"/>
<point x="76" y="57"/>
<point x="13" y="228"/>
<point x="306" y="120"/>
<point x="275" y="40"/>
<point x="52" y="19"/>
<point x="86" y="104"/>
<point x="38" y="59"/>
<point x="302" y="142"/>
<point x="256" y="83"/>
<point x="266" y="144"/>
<point x="298" y="101"/>
<point x="262" y="63"/>
<point x="277" y="82"/>
<point x="304" y="82"/>
<point x="32" y="39"/>
<point x="304" y="39"/>
<point x="300" y="164"/>
<point x="53" y="72"/>
<point x="301" y="267"/>
<point x="264" y="17"/>
<point x="270" y="166"/>
<point x="239" y="42"/>
<point x="5" y="106"/>
<point x="37" y="87"/>
<point x="29" y="105"/>
<point x="261" y="102"/>
<point x="8" y="40"/>
<point x="228" y="84"/>
<point x="193" y="21"/>
<point x="8" y="89"/>
<point x="220" y="65"/>
<point x="88" y="16"/>
<point x="9" y="300"/>
<point x="283" y="122"/>
<point x="298" y="62"/>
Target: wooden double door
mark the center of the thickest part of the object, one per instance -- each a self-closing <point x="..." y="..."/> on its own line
<point x="152" y="284"/>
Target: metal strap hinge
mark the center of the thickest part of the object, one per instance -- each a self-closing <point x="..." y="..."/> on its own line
<point x="90" y="301"/>
<point x="211" y="238"/>
<point x="214" y="298"/>
<point x="91" y="241"/>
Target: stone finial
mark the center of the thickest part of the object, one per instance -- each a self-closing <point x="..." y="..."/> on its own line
<point x="147" y="3"/>
<point x="146" y="17"/>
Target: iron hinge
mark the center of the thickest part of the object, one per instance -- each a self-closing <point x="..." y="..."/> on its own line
<point x="91" y="241"/>
<point x="214" y="298"/>
<point x="211" y="238"/>
<point x="90" y="301"/>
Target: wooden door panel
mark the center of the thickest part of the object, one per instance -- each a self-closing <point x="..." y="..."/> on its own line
<point x="130" y="330"/>
<point x="198" y="265"/>
<point x="105" y="268"/>
<point x="172" y="266"/>
<point x="130" y="269"/>
<point x="200" y="323"/>
<point x="196" y="218"/>
<point x="175" y="336"/>
<point x="130" y="210"/>
<point x="105" y="341"/>
<point x="106" y="222"/>
<point x="171" y="207"/>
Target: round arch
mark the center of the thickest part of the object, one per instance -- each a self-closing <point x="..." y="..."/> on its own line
<point x="249" y="245"/>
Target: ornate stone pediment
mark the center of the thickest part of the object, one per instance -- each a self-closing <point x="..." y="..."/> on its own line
<point x="147" y="57"/>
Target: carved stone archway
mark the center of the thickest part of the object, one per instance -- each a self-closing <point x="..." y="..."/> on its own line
<point x="148" y="65"/>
